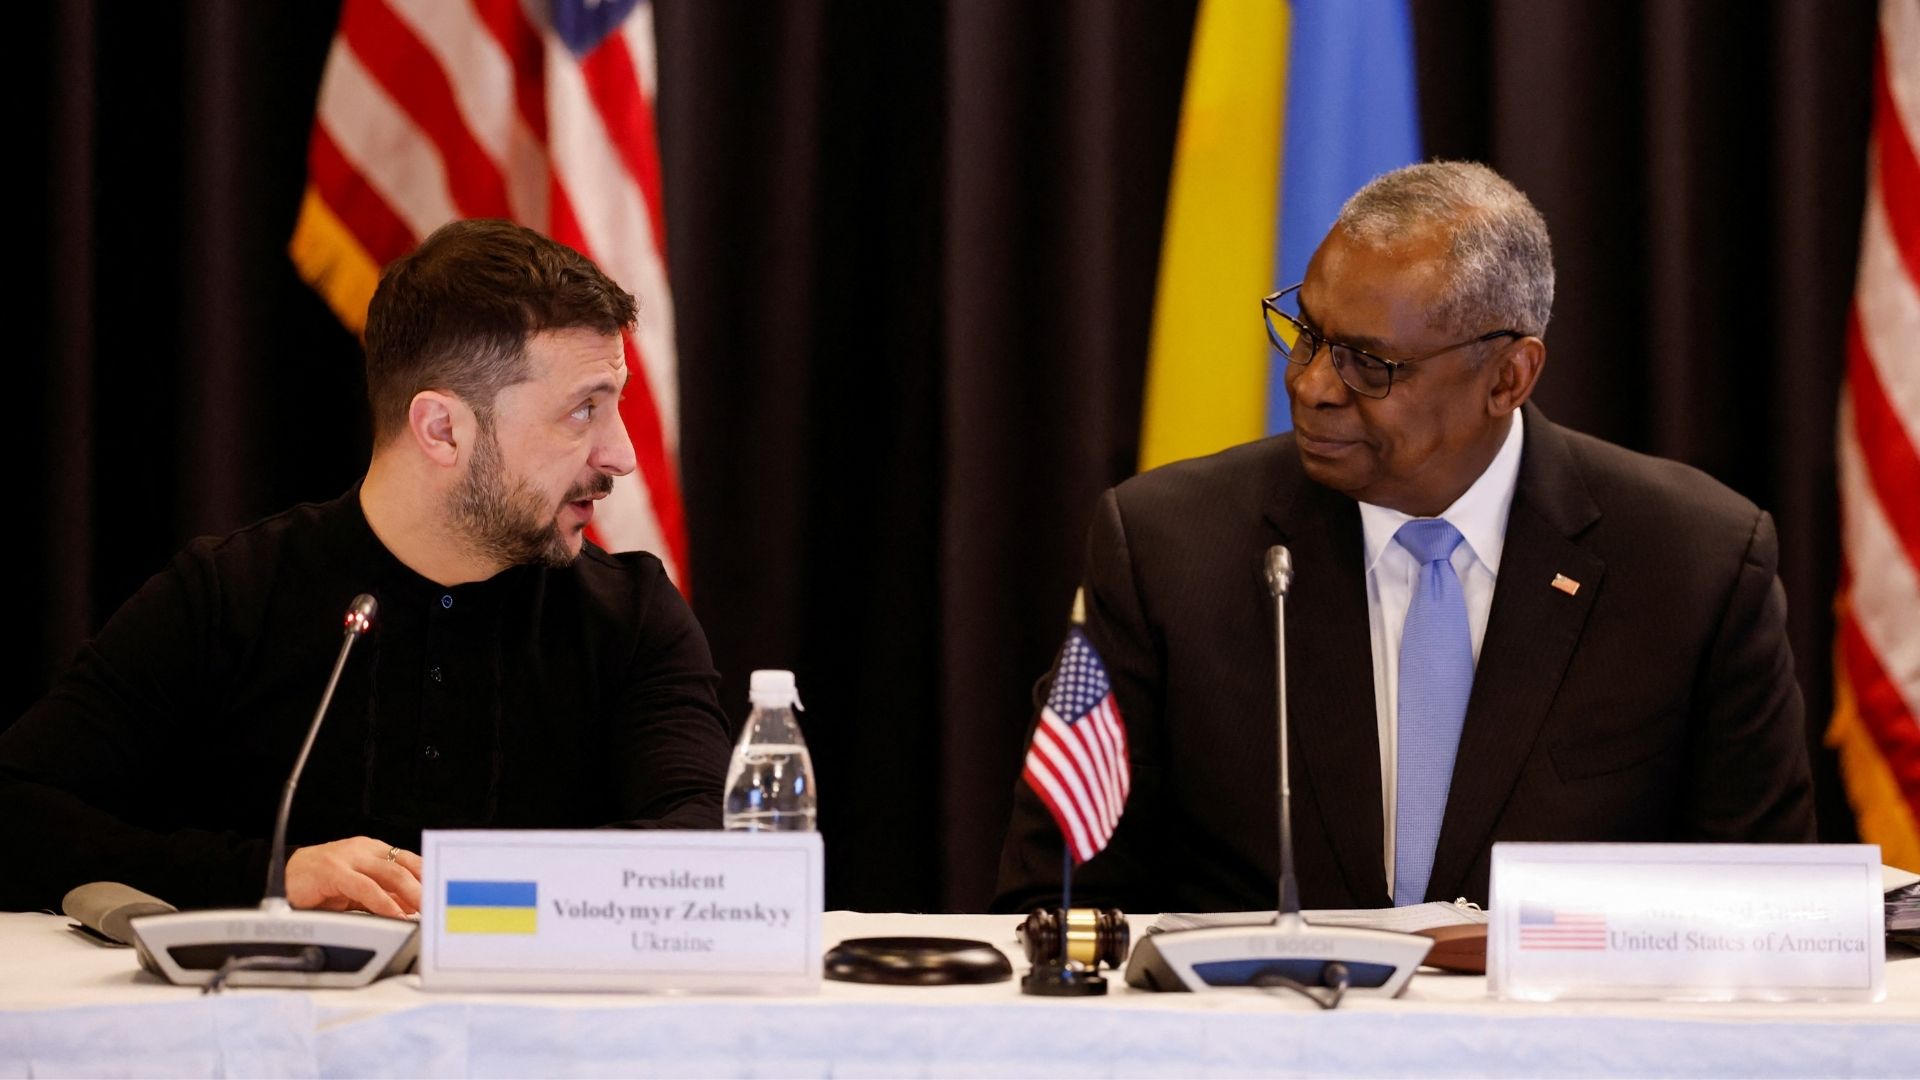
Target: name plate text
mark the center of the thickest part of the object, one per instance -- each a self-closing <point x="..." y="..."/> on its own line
<point x="621" y="910"/>
<point x="1696" y="922"/>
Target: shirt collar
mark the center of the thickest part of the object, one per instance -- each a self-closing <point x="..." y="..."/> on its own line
<point x="392" y="579"/>
<point x="1480" y="513"/>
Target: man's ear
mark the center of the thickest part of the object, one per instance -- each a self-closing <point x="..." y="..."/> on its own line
<point x="1517" y="369"/>
<point x="442" y="427"/>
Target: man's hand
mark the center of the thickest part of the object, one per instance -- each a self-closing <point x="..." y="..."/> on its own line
<point x="361" y="874"/>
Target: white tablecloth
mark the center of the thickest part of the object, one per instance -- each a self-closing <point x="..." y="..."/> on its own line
<point x="70" y="1008"/>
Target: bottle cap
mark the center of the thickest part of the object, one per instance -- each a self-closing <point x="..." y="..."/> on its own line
<point x="773" y="688"/>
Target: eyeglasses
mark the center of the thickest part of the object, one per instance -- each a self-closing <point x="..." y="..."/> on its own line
<point x="1364" y="373"/>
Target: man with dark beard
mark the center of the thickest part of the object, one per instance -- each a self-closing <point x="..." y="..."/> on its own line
<point x="517" y="676"/>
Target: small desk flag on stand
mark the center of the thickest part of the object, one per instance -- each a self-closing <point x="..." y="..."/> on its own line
<point x="1077" y="762"/>
<point x="1077" y="765"/>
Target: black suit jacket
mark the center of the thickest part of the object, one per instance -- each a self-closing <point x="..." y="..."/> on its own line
<point x="1657" y="702"/>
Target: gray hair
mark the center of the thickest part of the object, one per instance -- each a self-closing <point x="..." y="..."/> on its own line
<point x="1501" y="263"/>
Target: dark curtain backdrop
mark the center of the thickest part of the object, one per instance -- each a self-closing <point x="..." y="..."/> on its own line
<point x="913" y="250"/>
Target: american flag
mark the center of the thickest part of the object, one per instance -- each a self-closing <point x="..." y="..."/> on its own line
<point x="1078" y="761"/>
<point x="540" y="111"/>
<point x="1876" y="716"/>
<point x="1543" y="927"/>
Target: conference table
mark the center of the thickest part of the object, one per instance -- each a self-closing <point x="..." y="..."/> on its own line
<point x="72" y="1008"/>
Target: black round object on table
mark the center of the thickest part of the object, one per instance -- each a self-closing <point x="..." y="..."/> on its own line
<point x="917" y="961"/>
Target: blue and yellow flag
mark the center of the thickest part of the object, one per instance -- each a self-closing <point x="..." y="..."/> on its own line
<point x="492" y="907"/>
<point x="1289" y="108"/>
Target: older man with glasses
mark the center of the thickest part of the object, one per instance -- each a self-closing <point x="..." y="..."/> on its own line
<point x="1499" y="629"/>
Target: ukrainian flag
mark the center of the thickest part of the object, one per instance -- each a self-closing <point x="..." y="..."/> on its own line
<point x="1290" y="106"/>
<point x="492" y="907"/>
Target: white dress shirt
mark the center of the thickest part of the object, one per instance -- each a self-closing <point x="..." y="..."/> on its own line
<point x="1481" y="516"/>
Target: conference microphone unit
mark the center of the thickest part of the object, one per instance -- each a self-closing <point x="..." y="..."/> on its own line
<point x="102" y="910"/>
<point x="276" y="944"/>
<point x="1320" y="962"/>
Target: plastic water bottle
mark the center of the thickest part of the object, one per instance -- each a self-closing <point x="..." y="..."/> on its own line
<point x="770" y="782"/>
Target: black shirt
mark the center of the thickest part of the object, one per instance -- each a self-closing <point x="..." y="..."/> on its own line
<point x="540" y="698"/>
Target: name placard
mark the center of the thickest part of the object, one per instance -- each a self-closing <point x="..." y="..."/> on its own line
<point x="621" y="910"/>
<point x="1687" y="922"/>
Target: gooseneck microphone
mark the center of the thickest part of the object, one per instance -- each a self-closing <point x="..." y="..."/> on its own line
<point x="1279" y="576"/>
<point x="277" y="944"/>
<point x="1321" y="962"/>
<point x="359" y="620"/>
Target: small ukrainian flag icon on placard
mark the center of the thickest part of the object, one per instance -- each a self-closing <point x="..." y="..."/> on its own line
<point x="492" y="907"/>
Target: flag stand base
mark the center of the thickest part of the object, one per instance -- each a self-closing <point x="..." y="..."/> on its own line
<point x="1059" y="980"/>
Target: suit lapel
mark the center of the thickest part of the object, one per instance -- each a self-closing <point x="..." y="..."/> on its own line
<point x="1330" y="675"/>
<point x="1532" y="631"/>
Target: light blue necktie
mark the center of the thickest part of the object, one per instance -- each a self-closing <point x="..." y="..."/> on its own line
<point x="1436" y="676"/>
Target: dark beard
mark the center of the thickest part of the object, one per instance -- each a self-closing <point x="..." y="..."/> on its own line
<point x="505" y="520"/>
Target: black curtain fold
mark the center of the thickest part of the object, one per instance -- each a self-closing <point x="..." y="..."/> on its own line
<point x="891" y="446"/>
<point x="1062" y="119"/>
<point x="801" y="147"/>
<point x="1702" y="168"/>
<point x="913" y="251"/>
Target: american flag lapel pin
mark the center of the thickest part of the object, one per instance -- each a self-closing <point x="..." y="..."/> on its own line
<point x="1565" y="584"/>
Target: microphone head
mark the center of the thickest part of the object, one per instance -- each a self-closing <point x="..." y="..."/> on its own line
<point x="1279" y="569"/>
<point x="360" y="614"/>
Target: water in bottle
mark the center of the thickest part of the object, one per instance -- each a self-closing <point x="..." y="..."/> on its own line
<point x="770" y="782"/>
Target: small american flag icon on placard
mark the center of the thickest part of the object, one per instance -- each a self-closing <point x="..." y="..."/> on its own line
<point x="1543" y="927"/>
